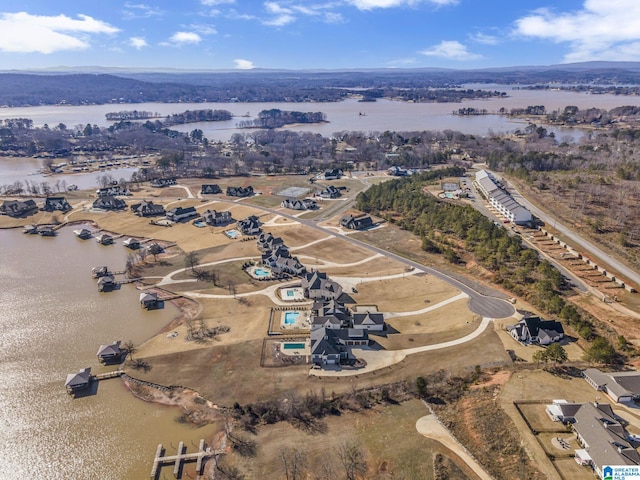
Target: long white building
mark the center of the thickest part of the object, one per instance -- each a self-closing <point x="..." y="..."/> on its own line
<point x="501" y="200"/>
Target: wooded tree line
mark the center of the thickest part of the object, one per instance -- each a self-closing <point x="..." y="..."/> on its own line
<point x="455" y="230"/>
<point x="276" y="118"/>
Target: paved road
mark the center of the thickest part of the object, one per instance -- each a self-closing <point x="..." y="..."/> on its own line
<point x="577" y="239"/>
<point x="493" y="306"/>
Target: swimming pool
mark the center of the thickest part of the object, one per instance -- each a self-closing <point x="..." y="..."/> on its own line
<point x="291" y="317"/>
<point x="232" y="233"/>
<point x="290" y="293"/>
<point x="293" y="346"/>
<point x="199" y="223"/>
<point x="260" y="272"/>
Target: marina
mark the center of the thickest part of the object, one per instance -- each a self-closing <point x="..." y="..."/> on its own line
<point x="182" y="456"/>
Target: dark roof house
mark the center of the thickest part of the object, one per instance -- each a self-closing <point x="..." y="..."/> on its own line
<point x="240" y="191"/>
<point x="536" y="330"/>
<point x="620" y="386"/>
<point x="18" y="208"/>
<point x="147" y="209"/>
<point x="56" y="204"/>
<point x="178" y="214"/>
<point x="78" y="381"/>
<point x="330" y="192"/>
<point x="317" y="285"/>
<point x="360" y="222"/>
<point x="108" y="202"/>
<point x="110" y="352"/>
<point x="210" y="189"/>
<point x="214" y="217"/>
<point x="250" y="225"/>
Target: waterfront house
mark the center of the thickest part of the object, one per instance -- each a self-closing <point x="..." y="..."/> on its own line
<point x="603" y="439"/>
<point x="132" y="243"/>
<point x="330" y="192"/>
<point x="360" y="222"/>
<point x="113" y="190"/>
<point x="240" y="191"/>
<point x="622" y="387"/>
<point x="214" y="217"/>
<point x="149" y="300"/>
<point x="249" y="225"/>
<point x="147" y="209"/>
<point x="78" y="381"/>
<point x="179" y="214"/>
<point x="31" y="229"/>
<point x="109" y="353"/>
<point x="537" y="331"/>
<point x="210" y="189"/>
<point x="56" y="204"/>
<point x="18" y="208"/>
<point x="317" y="285"/>
<point x="163" y="182"/>
<point x="109" y="202"/>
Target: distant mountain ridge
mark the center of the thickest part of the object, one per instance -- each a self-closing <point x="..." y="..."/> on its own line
<point x="101" y="85"/>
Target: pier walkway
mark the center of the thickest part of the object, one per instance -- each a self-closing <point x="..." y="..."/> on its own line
<point x="160" y="459"/>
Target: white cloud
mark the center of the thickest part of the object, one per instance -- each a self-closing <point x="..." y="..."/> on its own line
<point x="452" y="50"/>
<point x="140" y="10"/>
<point x="138" y="42"/>
<point x="484" y="39"/>
<point x="372" y="4"/>
<point x="185" y="38"/>
<point x="600" y="30"/>
<point x="283" y="15"/>
<point x="242" y="64"/>
<point x="203" y="29"/>
<point x="26" y="33"/>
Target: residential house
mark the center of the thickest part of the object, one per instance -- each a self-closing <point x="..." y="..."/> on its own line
<point x="603" y="438"/>
<point x="249" y="225"/>
<point x="396" y="171"/>
<point x="331" y="322"/>
<point x="333" y="174"/>
<point x="286" y="265"/>
<point x="369" y="321"/>
<point x="240" y="191"/>
<point x="163" y="182"/>
<point x="317" y="285"/>
<point x="562" y="411"/>
<point x="78" y="381"/>
<point x="179" y="214"/>
<point x="360" y="222"/>
<point x="56" y="204"/>
<point x="214" y="217"/>
<point x="18" y="208"/>
<point x="113" y="190"/>
<point x="210" y="189"/>
<point x="109" y="353"/>
<point x="332" y="307"/>
<point x="147" y="209"/>
<point x="108" y="202"/>
<point x="622" y="387"/>
<point x="266" y="242"/>
<point x="535" y="330"/>
<point x="330" y="192"/>
<point x="295" y="204"/>
<point x="331" y="346"/>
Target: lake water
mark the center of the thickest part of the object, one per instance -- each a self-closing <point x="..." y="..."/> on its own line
<point x="52" y="320"/>
<point x="376" y="116"/>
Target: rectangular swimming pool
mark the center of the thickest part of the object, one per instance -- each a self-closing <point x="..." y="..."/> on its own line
<point x="293" y="346"/>
<point x="291" y="317"/>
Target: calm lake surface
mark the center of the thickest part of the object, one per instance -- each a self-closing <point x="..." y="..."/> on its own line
<point x="376" y="116"/>
<point x="52" y="321"/>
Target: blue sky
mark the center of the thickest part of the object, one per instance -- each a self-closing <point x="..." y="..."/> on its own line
<point x="303" y="34"/>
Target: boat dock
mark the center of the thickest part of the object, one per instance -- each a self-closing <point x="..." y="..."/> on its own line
<point x="107" y="375"/>
<point x="160" y="459"/>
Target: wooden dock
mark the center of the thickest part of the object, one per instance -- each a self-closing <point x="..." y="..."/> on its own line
<point x="177" y="460"/>
<point x="107" y="375"/>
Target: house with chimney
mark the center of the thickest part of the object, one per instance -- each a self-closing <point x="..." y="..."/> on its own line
<point x="147" y="209"/>
<point x="215" y="217"/>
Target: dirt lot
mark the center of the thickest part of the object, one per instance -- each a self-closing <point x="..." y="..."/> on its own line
<point x="373" y="432"/>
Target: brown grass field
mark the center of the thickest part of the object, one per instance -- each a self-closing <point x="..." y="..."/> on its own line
<point x="333" y="249"/>
<point x="452" y="316"/>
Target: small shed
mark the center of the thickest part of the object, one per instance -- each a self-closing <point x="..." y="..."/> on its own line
<point x="132" y="243"/>
<point x="98" y="272"/>
<point x="78" y="381"/>
<point x="110" y="352"/>
<point x="104" y="239"/>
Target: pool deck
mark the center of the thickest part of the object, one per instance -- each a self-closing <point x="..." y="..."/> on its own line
<point x="301" y="322"/>
<point x="297" y="294"/>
